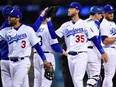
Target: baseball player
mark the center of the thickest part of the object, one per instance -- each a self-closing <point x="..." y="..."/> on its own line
<point x="20" y="40"/>
<point x="95" y="48"/>
<point x="108" y="32"/>
<point x="6" y="77"/>
<point x="75" y="33"/>
<point x="48" y="46"/>
<point x="5" y="68"/>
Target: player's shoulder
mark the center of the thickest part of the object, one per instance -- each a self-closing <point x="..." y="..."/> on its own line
<point x="5" y="28"/>
<point x="81" y="21"/>
<point x="27" y="27"/>
<point x="66" y="23"/>
<point x="104" y="22"/>
<point x="92" y="22"/>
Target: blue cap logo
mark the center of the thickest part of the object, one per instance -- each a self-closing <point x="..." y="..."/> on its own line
<point x="76" y="5"/>
<point x="108" y="8"/>
<point x="15" y="13"/>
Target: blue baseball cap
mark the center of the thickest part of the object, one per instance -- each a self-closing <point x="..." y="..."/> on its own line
<point x="108" y="8"/>
<point x="15" y="13"/>
<point x="6" y="10"/>
<point x="96" y="9"/>
<point x="76" y="5"/>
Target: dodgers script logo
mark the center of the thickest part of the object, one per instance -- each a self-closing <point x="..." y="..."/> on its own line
<point x="73" y="31"/>
<point x="16" y="38"/>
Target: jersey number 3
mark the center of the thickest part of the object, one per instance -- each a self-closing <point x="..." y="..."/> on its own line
<point x="40" y="43"/>
<point x="80" y="38"/>
<point x="23" y="44"/>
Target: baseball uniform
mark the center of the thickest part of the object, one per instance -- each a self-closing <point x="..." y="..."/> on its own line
<point x="108" y="32"/>
<point x="95" y="49"/>
<point x="94" y="59"/>
<point x="75" y="34"/>
<point x="20" y="42"/>
<point x="46" y="43"/>
<point x="75" y="38"/>
<point x="6" y="77"/>
<point x="108" y="29"/>
<point x="5" y="67"/>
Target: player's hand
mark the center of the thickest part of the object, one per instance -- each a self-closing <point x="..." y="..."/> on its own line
<point x="64" y="53"/>
<point x="47" y="64"/>
<point x="52" y="11"/>
<point x="44" y="12"/>
<point x="104" y="57"/>
<point x="49" y="71"/>
<point x="48" y="19"/>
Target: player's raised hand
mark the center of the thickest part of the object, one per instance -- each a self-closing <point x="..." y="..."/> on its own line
<point x="44" y="12"/>
<point x="104" y="57"/>
<point x="48" y="19"/>
<point x="52" y="11"/>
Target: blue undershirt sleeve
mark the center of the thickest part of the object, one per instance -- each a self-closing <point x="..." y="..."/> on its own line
<point x="56" y="47"/>
<point x="39" y="51"/>
<point x="97" y="43"/>
<point x="37" y="24"/>
<point x="51" y="30"/>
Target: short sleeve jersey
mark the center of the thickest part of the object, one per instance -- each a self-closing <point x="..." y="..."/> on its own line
<point x="75" y="35"/>
<point x="19" y="41"/>
<point x="108" y="28"/>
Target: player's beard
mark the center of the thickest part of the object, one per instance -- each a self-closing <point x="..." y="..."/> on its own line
<point x="71" y="15"/>
<point x="110" y="18"/>
<point x="12" y="23"/>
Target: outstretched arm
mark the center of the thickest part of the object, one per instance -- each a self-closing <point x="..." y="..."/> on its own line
<point x="38" y="22"/>
<point x="51" y="29"/>
<point x="40" y="52"/>
<point x="56" y="47"/>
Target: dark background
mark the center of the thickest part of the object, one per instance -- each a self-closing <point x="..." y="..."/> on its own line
<point x="30" y="10"/>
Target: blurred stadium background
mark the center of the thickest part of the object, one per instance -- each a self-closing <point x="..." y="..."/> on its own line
<point x="31" y="9"/>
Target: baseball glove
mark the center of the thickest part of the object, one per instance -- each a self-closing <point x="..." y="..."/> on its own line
<point x="52" y="11"/>
<point x="49" y="71"/>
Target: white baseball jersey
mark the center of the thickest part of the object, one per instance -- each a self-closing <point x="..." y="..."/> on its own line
<point x="94" y="59"/>
<point x="45" y="38"/>
<point x="94" y="28"/>
<point x="75" y="35"/>
<point x="108" y="28"/>
<point x="20" y="41"/>
<point x="45" y="42"/>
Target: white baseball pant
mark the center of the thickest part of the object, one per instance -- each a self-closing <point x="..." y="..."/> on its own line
<point x="39" y="79"/>
<point x="77" y="66"/>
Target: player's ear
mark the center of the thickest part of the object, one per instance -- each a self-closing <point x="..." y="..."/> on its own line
<point x="77" y="11"/>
